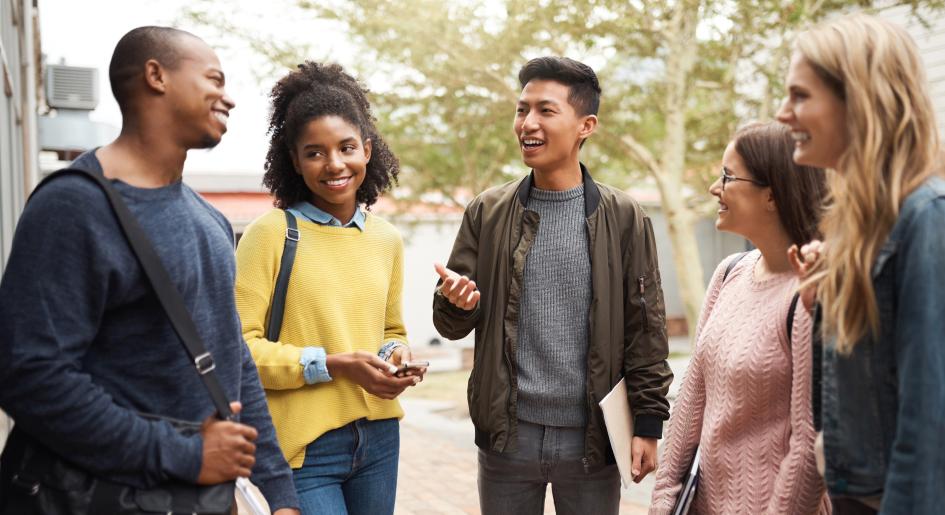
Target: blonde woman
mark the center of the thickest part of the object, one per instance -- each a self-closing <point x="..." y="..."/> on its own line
<point x="745" y="402"/>
<point x="858" y="103"/>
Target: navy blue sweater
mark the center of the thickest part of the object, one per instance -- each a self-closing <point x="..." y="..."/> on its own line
<point x="85" y="345"/>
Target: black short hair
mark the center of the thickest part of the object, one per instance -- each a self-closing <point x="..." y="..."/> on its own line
<point x="134" y="49"/>
<point x="579" y="77"/>
<point x="312" y="91"/>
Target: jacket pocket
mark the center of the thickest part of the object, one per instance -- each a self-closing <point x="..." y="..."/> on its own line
<point x="641" y="291"/>
<point x="473" y="387"/>
<point x="650" y="296"/>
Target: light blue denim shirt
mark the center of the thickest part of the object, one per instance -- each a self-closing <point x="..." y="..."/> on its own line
<point x="884" y="404"/>
<point x="314" y="359"/>
<point x="308" y="211"/>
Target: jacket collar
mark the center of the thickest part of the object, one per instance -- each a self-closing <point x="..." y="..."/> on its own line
<point x="932" y="188"/>
<point x="591" y="191"/>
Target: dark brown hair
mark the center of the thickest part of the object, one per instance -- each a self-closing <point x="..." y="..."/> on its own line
<point x="799" y="191"/>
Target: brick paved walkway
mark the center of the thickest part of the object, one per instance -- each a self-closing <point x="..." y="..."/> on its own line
<point x="438" y="466"/>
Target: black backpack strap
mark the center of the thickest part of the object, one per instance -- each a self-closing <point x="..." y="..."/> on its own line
<point x="167" y="294"/>
<point x="790" y="316"/>
<point x="277" y="310"/>
<point x="817" y="370"/>
<point x="731" y="264"/>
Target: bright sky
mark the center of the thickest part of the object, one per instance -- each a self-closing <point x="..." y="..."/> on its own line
<point x="76" y="34"/>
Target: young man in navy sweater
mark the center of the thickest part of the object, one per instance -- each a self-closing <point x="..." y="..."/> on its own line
<point x="87" y="348"/>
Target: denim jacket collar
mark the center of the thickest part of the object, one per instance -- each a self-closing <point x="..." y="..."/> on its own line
<point x="930" y="189"/>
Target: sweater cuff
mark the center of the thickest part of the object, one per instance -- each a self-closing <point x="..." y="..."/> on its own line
<point x="314" y="363"/>
<point x="280" y="493"/>
<point x="455" y="311"/>
<point x="182" y="456"/>
<point x="648" y="426"/>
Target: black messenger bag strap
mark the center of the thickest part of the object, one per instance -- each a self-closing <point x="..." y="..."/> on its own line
<point x="167" y="294"/>
<point x="277" y="310"/>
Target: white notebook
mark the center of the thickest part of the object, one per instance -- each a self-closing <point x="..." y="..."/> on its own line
<point x="619" y="422"/>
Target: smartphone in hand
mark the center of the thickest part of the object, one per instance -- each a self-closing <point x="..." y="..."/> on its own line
<point x="409" y="366"/>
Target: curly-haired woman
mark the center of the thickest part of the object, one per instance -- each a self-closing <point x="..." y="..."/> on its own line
<point x="328" y="378"/>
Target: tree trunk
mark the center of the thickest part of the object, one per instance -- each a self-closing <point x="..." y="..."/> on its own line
<point x="680" y="218"/>
<point x="686" y="261"/>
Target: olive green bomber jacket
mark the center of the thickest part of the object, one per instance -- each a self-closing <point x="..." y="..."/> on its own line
<point x="627" y="325"/>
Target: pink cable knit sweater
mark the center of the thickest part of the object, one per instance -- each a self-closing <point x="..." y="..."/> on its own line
<point x="746" y="401"/>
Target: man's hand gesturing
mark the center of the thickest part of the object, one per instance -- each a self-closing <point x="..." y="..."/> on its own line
<point x="459" y="290"/>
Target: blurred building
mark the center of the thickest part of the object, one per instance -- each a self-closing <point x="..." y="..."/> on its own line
<point x="20" y="60"/>
<point x="928" y="30"/>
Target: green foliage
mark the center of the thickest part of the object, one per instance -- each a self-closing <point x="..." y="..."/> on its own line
<point x="444" y="75"/>
<point x="678" y="77"/>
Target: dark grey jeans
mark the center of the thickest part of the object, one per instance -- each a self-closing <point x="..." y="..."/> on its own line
<point x="515" y="483"/>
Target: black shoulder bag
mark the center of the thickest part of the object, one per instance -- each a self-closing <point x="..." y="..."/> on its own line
<point x="690" y="482"/>
<point x="47" y="484"/>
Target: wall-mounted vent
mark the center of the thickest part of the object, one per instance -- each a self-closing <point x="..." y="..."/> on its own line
<point x="71" y="87"/>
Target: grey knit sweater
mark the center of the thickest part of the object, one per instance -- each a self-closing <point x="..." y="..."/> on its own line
<point x="552" y="345"/>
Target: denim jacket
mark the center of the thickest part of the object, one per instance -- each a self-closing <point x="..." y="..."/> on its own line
<point x="884" y="404"/>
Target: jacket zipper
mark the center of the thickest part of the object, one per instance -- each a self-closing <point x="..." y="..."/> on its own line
<point x="646" y="320"/>
<point x="587" y="364"/>
<point x="507" y="343"/>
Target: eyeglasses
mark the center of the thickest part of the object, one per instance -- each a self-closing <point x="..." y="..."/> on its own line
<point x="727" y="177"/>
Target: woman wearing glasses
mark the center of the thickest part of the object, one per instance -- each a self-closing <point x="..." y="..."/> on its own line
<point x="745" y="400"/>
<point x="858" y="102"/>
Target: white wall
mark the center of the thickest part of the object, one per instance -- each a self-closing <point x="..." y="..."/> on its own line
<point x="424" y="243"/>
<point x="931" y="43"/>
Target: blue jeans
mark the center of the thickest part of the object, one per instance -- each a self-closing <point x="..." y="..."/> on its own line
<point x="351" y="470"/>
<point x="515" y="483"/>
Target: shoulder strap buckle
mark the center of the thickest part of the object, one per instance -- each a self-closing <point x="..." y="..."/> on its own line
<point x="204" y="363"/>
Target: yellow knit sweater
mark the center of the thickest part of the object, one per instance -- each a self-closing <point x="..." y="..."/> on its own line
<point x="344" y="295"/>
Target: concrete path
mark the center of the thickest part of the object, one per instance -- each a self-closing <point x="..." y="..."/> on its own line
<point x="438" y="466"/>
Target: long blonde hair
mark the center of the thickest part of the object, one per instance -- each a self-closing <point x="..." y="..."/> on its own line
<point x="874" y="66"/>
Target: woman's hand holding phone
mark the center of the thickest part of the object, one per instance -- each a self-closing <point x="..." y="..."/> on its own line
<point x="367" y="369"/>
<point x="402" y="358"/>
<point x="412" y="368"/>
